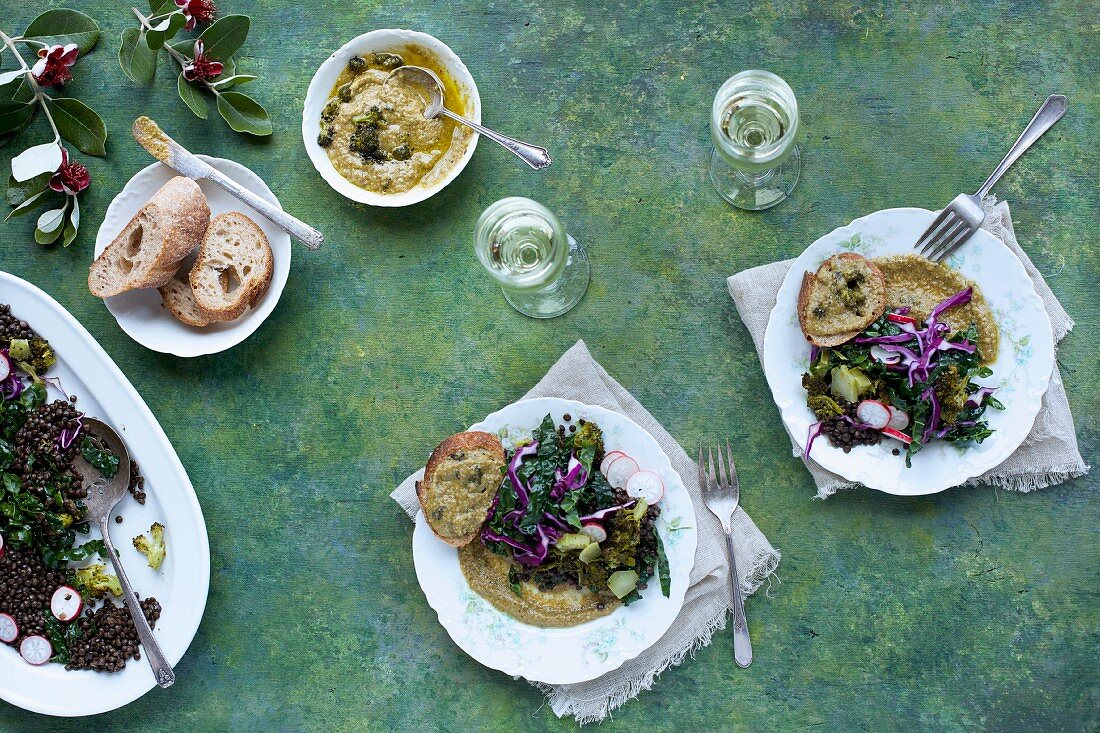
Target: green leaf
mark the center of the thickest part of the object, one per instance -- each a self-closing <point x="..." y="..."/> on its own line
<point x="17" y="91"/>
<point x="29" y="205"/>
<point x="243" y="113"/>
<point x="52" y="220"/>
<point x="137" y="60"/>
<point x="20" y="192"/>
<point x="36" y="160"/>
<point x="228" y="82"/>
<point x="192" y="97"/>
<point x="225" y="36"/>
<point x="164" y="30"/>
<point x="80" y="125"/>
<point x="62" y="26"/>
<point x="158" y="7"/>
<point x="14" y="115"/>
<point x="73" y="223"/>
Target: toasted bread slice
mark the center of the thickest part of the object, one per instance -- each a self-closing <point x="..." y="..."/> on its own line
<point x="844" y="296"/>
<point x="233" y="269"/>
<point x="148" y="250"/>
<point x="460" y="481"/>
<point x="179" y="299"/>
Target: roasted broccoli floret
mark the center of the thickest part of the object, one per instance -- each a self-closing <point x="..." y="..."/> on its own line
<point x="328" y="114"/>
<point x="589" y="435"/>
<point x="357" y="64"/>
<point x="401" y="152"/>
<point x="344" y="92"/>
<point x="94" y="581"/>
<point x="324" y="138"/>
<point x="34" y="356"/>
<point x="364" y="141"/>
<point x="152" y="546"/>
<point x="372" y="118"/>
<point x="815" y="384"/>
<point x="387" y="61"/>
<point x="951" y="393"/>
<point x="824" y="406"/>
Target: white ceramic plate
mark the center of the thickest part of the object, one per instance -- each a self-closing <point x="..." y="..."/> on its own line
<point x="320" y="91"/>
<point x="183" y="580"/>
<point x="1021" y="372"/>
<point x="588" y="650"/>
<point x="140" y="312"/>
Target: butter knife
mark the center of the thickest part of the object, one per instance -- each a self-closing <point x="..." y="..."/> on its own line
<point x="174" y="155"/>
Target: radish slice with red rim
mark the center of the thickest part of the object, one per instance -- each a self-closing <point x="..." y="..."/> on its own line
<point x="609" y="459"/>
<point x="899" y="419"/>
<point x="9" y="630"/>
<point x="595" y="531"/>
<point x="886" y="357"/>
<point x="873" y="413"/>
<point x="620" y="470"/>
<point x="5" y="367"/>
<point x="897" y="435"/>
<point x="65" y="604"/>
<point x="1" y="545"/>
<point x="36" y="650"/>
<point x="646" y="485"/>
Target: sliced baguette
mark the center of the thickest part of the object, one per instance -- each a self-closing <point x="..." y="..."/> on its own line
<point x="148" y="250"/>
<point x="233" y="269"/>
<point x="179" y="299"/>
<point x="460" y="481"/>
<point x="826" y="319"/>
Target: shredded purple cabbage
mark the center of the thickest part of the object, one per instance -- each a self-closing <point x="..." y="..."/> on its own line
<point x="931" y="429"/>
<point x="604" y="513"/>
<point x="811" y="436"/>
<point x="523" y="494"/>
<point x="978" y="397"/>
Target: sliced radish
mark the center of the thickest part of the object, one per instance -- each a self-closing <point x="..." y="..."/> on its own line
<point x="595" y="531"/>
<point x="609" y="459"/>
<point x="36" y="650"/>
<point x="66" y="603"/>
<point x="873" y="413"/>
<point x="646" y="485"/>
<point x="621" y="469"/>
<point x="1" y="545"/>
<point x="899" y="419"/>
<point x="899" y="318"/>
<point x="897" y="435"/>
<point x="9" y="630"/>
<point x="882" y="355"/>
<point x="5" y="366"/>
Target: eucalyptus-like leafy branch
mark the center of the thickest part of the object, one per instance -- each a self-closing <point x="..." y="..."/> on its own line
<point x="206" y="64"/>
<point x="58" y="38"/>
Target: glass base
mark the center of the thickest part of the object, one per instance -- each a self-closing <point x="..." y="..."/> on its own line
<point x="758" y="192"/>
<point x="560" y="296"/>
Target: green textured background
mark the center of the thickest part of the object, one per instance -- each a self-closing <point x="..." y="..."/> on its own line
<point x="976" y="609"/>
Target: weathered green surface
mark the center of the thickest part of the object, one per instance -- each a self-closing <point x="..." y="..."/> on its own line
<point x="973" y="610"/>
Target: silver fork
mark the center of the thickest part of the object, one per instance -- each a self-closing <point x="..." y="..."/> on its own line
<point x="962" y="217"/>
<point x="721" y="494"/>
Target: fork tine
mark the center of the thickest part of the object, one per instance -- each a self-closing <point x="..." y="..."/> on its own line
<point x="949" y="221"/>
<point x="724" y="480"/>
<point x="928" y="236"/>
<point x="956" y="242"/>
<point x="948" y="237"/>
<point x="712" y="476"/>
<point x="932" y="247"/>
<point x="732" y="465"/>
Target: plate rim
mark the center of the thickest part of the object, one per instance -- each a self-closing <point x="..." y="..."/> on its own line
<point x="201" y="556"/>
<point x="239" y="331"/>
<point x="689" y="551"/>
<point x="1033" y="405"/>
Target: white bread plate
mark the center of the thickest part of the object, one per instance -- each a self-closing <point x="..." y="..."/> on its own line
<point x="390" y="40"/>
<point x="141" y="314"/>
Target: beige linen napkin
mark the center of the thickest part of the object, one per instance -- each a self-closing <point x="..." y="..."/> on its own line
<point x="1048" y="455"/>
<point x="577" y="376"/>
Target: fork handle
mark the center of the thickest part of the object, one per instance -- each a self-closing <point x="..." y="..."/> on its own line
<point x="162" y="670"/>
<point x="742" y="645"/>
<point x="1051" y="111"/>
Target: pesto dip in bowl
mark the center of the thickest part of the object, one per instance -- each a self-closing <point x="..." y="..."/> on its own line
<point x="369" y="139"/>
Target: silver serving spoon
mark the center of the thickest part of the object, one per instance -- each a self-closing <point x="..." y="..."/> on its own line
<point x="103" y="494"/>
<point x="532" y="155"/>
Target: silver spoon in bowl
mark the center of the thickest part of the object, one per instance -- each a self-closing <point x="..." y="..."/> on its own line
<point x="533" y="155"/>
<point x="103" y="494"/>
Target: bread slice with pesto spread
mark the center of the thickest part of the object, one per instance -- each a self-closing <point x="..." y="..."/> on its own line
<point x="846" y="295"/>
<point x="460" y="481"/>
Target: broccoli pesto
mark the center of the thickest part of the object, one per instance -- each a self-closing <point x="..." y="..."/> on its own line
<point x="373" y="127"/>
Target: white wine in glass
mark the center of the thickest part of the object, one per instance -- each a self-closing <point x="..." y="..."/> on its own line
<point x="542" y="271"/>
<point x="754" y="126"/>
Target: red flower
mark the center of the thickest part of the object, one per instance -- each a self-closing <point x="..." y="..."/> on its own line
<point x="70" y="178"/>
<point x="202" y="67"/>
<point x="197" y="10"/>
<point x="52" y="68"/>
